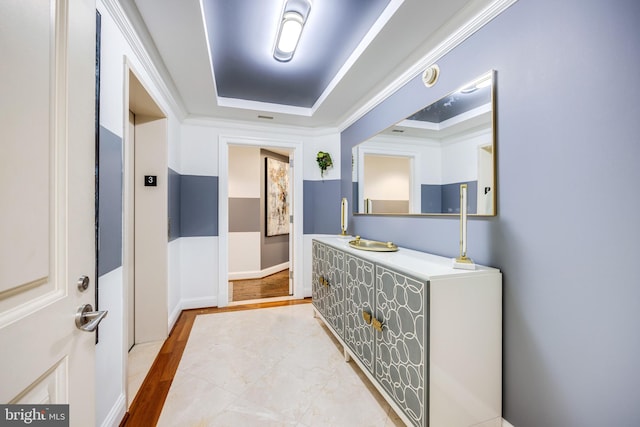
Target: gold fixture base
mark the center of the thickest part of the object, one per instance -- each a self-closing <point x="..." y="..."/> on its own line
<point x="464" y="263"/>
<point x="372" y="245"/>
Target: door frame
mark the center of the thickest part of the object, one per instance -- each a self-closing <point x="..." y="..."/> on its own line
<point x="296" y="264"/>
<point x="145" y="104"/>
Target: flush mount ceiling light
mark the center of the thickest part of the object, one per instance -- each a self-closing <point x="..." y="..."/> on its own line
<point x="294" y="15"/>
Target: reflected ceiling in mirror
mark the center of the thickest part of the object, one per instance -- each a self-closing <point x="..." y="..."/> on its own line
<point x="416" y="166"/>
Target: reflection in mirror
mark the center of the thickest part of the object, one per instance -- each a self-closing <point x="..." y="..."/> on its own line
<point x="418" y="165"/>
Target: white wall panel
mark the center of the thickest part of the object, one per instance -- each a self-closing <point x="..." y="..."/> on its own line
<point x="199" y="135"/>
<point x="244" y="252"/>
<point x="199" y="151"/>
<point x="199" y="271"/>
<point x="110" y="351"/>
<point x="244" y="171"/>
<point x="174" y="154"/>
<point x="175" y="281"/>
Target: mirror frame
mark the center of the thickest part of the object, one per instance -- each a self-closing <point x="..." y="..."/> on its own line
<point x="356" y="161"/>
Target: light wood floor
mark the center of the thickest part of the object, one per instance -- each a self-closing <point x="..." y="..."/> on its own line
<point x="275" y="285"/>
<point x="147" y="405"/>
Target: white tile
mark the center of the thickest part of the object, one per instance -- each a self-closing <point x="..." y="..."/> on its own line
<point x="139" y="361"/>
<point x="193" y="401"/>
<point x="270" y="367"/>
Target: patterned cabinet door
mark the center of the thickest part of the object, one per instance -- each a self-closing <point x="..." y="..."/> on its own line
<point x="359" y="289"/>
<point x="401" y="345"/>
<point x="334" y="303"/>
<point x="318" y="268"/>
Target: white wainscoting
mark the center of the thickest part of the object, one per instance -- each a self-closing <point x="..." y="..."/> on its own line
<point x="244" y="252"/>
<point x="198" y="272"/>
<point x="110" y="352"/>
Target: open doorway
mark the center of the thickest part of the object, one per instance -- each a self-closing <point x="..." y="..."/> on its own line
<point x="145" y="253"/>
<point x="259" y="239"/>
<point x="235" y="255"/>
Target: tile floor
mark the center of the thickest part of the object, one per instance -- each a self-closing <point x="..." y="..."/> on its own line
<point x="141" y="357"/>
<point x="270" y="367"/>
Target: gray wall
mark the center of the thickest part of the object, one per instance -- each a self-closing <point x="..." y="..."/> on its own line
<point x="110" y="202"/>
<point x="174" y="204"/>
<point x="198" y="206"/>
<point x="321" y="205"/>
<point x="567" y="230"/>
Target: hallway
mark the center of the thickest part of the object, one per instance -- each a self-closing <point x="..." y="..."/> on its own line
<point x="274" y="366"/>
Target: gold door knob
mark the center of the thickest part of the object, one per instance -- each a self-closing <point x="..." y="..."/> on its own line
<point x="367" y="317"/>
<point x="377" y="325"/>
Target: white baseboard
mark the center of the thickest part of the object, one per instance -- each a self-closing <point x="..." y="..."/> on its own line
<point x="202" y="302"/>
<point x="259" y="274"/>
<point x="116" y="414"/>
<point x="173" y="316"/>
<point x="307" y="292"/>
<point x="188" y="304"/>
<point x="506" y="423"/>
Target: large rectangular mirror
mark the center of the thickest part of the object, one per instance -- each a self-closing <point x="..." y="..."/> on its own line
<point x="416" y="166"/>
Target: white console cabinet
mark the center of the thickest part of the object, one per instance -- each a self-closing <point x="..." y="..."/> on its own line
<point x="428" y="336"/>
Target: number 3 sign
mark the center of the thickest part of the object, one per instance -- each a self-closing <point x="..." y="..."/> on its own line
<point x="150" y="181"/>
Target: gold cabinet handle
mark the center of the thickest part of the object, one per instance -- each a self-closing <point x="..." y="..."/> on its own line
<point x="367" y="317"/>
<point x="377" y="325"/>
<point x="323" y="281"/>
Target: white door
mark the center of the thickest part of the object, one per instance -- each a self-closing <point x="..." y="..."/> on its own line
<point x="290" y="210"/>
<point x="47" y="242"/>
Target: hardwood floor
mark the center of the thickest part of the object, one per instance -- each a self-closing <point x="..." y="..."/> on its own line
<point x="146" y="407"/>
<point x="275" y="285"/>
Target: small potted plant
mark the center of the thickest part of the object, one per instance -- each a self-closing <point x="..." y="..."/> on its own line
<point x="324" y="162"/>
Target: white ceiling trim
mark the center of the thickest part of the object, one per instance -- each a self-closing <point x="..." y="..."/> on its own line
<point x="455" y="39"/>
<point x="268" y="128"/>
<point x="263" y="106"/>
<point x="382" y="20"/>
<point x="161" y="79"/>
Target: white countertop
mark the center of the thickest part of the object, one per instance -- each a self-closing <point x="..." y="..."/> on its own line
<point x="419" y="264"/>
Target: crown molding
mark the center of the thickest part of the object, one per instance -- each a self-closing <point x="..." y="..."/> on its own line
<point x="150" y="61"/>
<point x="263" y="106"/>
<point x="288" y="130"/>
<point x="455" y="39"/>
